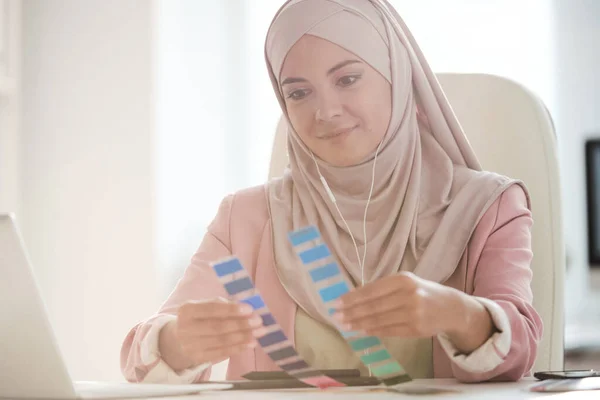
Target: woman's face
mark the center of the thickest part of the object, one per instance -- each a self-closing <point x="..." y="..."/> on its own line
<point x="338" y="104"/>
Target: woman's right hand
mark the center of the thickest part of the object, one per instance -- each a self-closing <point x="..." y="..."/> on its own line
<point x="210" y="331"/>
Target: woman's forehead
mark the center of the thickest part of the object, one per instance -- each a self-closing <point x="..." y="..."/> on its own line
<point x="311" y="53"/>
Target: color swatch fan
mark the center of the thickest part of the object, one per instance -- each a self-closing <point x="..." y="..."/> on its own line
<point x="331" y="284"/>
<point x="278" y="347"/>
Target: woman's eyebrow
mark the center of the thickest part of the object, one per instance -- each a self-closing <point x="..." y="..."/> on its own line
<point x="337" y="66"/>
<point x="341" y="65"/>
<point x="287" y="81"/>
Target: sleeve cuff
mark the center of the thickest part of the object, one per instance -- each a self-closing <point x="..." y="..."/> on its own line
<point x="160" y="372"/>
<point x="490" y="354"/>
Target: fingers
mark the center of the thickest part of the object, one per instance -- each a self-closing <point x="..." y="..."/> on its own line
<point x="216" y="329"/>
<point x="379" y="321"/>
<point x="216" y="341"/>
<point x="207" y="342"/>
<point x="397" y="330"/>
<point x="372" y="307"/>
<point x="397" y="297"/>
<point x="211" y="327"/>
<point x="404" y="282"/>
<point x="214" y="309"/>
<point x="390" y="306"/>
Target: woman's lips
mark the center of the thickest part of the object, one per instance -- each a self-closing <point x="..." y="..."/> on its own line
<point x="338" y="132"/>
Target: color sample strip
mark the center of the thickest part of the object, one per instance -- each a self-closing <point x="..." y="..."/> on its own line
<point x="364" y="343"/>
<point x="314" y="254"/>
<point x="331" y="285"/>
<point x="304" y="235"/>
<point x="267" y="319"/>
<point x="325" y="272"/>
<point x="282" y="354"/>
<point x="375" y="357"/>
<point x="239" y="285"/>
<point x="234" y="278"/>
<point x="256" y="302"/>
<point x="228" y="267"/>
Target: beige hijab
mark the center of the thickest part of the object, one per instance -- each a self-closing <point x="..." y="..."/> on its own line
<point x="429" y="191"/>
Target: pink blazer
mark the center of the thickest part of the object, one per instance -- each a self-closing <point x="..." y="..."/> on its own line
<point x="495" y="266"/>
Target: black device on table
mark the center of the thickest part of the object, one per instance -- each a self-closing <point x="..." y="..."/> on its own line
<point x="569" y="374"/>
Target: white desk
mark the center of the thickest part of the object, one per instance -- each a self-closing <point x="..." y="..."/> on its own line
<point x="480" y="391"/>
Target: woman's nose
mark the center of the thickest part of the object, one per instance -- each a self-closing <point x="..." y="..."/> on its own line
<point x="329" y="107"/>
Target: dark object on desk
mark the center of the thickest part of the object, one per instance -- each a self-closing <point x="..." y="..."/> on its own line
<point x="566" y="385"/>
<point x="592" y="175"/>
<point x="294" y="383"/>
<point x="269" y="375"/>
<point x="569" y="374"/>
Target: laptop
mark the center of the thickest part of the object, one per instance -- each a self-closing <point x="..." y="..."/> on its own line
<point x="31" y="365"/>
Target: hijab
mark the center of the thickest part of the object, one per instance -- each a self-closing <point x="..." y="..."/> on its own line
<point x="429" y="189"/>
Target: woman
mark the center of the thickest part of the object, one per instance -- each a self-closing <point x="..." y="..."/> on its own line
<point x="438" y="250"/>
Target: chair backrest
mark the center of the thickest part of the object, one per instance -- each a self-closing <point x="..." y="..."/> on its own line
<point x="512" y="133"/>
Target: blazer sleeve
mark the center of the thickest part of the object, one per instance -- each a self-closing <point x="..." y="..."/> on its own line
<point x="140" y="358"/>
<point x="502" y="283"/>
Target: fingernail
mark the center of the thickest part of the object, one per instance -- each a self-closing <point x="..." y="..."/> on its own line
<point x="347" y="327"/>
<point x="259" y="332"/>
<point x="338" y="304"/>
<point x="252" y="344"/>
<point x="255" y="322"/>
<point x="245" y="309"/>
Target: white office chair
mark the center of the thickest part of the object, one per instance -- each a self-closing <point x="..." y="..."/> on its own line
<point x="512" y="133"/>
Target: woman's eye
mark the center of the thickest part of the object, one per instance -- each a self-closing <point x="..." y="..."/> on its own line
<point x="348" y="80"/>
<point x="298" y="94"/>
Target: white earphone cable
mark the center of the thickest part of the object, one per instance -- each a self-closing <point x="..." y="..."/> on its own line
<point x="362" y="265"/>
<point x="334" y="201"/>
<point x="361" y="262"/>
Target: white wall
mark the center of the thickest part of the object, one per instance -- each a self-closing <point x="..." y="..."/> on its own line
<point x="577" y="40"/>
<point x="86" y="172"/>
<point x="201" y="135"/>
<point x="10" y="37"/>
<point x="510" y="38"/>
<point x="262" y="105"/>
<point x="9" y="161"/>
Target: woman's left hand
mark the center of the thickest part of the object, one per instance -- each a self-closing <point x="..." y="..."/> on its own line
<point x="407" y="306"/>
<point x="399" y="305"/>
